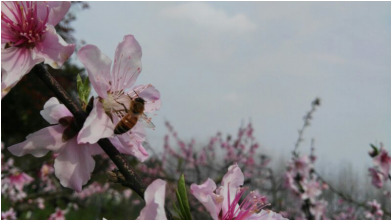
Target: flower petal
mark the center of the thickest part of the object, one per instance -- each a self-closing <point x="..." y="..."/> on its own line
<point x="58" y="9"/>
<point x="95" y="149"/>
<point x="53" y="111"/>
<point x="54" y="49"/>
<point x="54" y="11"/>
<point x="150" y="94"/>
<point x="232" y="180"/>
<point x="205" y="194"/>
<point x="127" y="63"/>
<point x="74" y="165"/>
<point x="98" y="125"/>
<point x="7" y="33"/>
<point x="15" y="63"/>
<point x="267" y="215"/>
<point x="98" y="68"/>
<point x="7" y="8"/>
<point x="40" y="142"/>
<point x="154" y="199"/>
<point x="129" y="145"/>
<point x="131" y="142"/>
<point x="138" y="132"/>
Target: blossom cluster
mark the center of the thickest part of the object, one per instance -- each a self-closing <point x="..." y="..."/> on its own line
<point x="304" y="184"/>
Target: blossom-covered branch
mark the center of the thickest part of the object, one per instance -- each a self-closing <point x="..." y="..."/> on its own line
<point x="133" y="180"/>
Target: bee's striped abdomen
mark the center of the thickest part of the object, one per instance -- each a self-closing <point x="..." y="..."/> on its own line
<point x="126" y="123"/>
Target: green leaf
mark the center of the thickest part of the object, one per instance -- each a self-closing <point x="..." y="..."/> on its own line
<point x="375" y="151"/>
<point x="177" y="210"/>
<point x="83" y="89"/>
<point x="183" y="208"/>
<point x="79" y="83"/>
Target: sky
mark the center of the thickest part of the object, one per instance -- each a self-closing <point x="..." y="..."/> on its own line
<point x="221" y="64"/>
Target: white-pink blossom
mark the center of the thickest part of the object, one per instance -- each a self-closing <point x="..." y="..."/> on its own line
<point x="8" y="215"/>
<point x="74" y="163"/>
<point x="383" y="161"/>
<point x="225" y="202"/>
<point x="12" y="185"/>
<point x="375" y="212"/>
<point x="318" y="209"/>
<point x="312" y="189"/>
<point x="115" y="90"/>
<point x="377" y="177"/>
<point x="58" y="215"/>
<point x="28" y="37"/>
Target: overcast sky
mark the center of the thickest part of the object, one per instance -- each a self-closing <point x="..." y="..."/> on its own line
<point x="219" y="63"/>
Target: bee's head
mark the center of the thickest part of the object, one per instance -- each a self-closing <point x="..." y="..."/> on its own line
<point x="138" y="99"/>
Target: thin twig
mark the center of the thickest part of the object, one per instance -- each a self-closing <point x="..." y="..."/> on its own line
<point x="307" y="119"/>
<point x="346" y="197"/>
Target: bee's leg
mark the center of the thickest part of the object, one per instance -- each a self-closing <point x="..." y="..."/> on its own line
<point x="122" y="105"/>
<point x="131" y="97"/>
<point x="136" y="93"/>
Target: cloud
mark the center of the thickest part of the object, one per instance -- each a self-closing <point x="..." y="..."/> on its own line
<point x="203" y="14"/>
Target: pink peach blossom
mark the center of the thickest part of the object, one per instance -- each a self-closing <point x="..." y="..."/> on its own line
<point x="383" y="161"/>
<point x="225" y="202"/>
<point x="377" y="177"/>
<point x="268" y="215"/>
<point x="318" y="209"/>
<point x="8" y="215"/>
<point x="74" y="163"/>
<point x="312" y="189"/>
<point x="58" y="215"/>
<point x="12" y="185"/>
<point x="28" y="37"/>
<point x="375" y="212"/>
<point x="114" y="88"/>
<point x="301" y="166"/>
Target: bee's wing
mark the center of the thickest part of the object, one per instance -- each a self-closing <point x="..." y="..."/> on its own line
<point x="146" y="121"/>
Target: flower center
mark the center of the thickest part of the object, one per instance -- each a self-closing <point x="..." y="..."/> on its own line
<point x="251" y="204"/>
<point x="23" y="26"/>
<point x="116" y="102"/>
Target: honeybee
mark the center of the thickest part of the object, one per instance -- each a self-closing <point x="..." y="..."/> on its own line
<point x="133" y="115"/>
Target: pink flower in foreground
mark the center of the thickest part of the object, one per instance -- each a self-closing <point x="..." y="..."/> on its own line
<point x="114" y="87"/>
<point x="383" y="161"/>
<point x="8" y="215"/>
<point x="28" y="37"/>
<point x="154" y="201"/>
<point x="58" y="215"/>
<point x="223" y="203"/>
<point x="74" y="163"/>
<point x="377" y="177"/>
